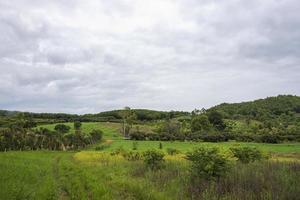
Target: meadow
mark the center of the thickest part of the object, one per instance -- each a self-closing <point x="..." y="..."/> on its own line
<point x="112" y="134"/>
<point x="90" y="174"/>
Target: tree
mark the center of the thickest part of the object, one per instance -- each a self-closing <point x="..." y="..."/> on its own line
<point x="207" y="163"/>
<point x="77" y="125"/>
<point x="153" y="159"/>
<point x="96" y="135"/>
<point x="61" y="128"/>
<point x="216" y="119"/>
<point x="128" y="116"/>
<point x="246" y="154"/>
<point x="200" y="123"/>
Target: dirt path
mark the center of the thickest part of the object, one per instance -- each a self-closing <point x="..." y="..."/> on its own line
<point x="62" y="194"/>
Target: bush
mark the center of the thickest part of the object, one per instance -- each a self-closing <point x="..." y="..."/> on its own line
<point x="96" y="134"/>
<point x="246" y="154"/>
<point x="214" y="138"/>
<point x="208" y="163"/>
<point x="172" y="151"/>
<point x="153" y="159"/>
<point x="269" y="138"/>
<point x="132" y="156"/>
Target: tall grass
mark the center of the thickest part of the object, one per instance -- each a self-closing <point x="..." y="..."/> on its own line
<point x="99" y="175"/>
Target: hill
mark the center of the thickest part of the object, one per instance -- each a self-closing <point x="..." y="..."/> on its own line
<point x="261" y="109"/>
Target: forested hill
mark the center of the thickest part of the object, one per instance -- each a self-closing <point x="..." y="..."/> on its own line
<point x="261" y="109"/>
<point x="114" y="116"/>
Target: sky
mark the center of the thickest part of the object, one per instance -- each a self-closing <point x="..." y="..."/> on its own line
<point x="79" y="56"/>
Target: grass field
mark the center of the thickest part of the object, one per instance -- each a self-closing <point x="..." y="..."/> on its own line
<point x="112" y="133"/>
<point x="98" y="175"/>
<point x="91" y="174"/>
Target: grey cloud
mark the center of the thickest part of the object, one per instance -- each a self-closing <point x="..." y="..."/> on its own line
<point x="78" y="57"/>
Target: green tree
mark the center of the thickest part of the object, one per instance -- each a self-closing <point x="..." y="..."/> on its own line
<point x="200" y="123"/>
<point x="77" y="125"/>
<point x="128" y="117"/>
<point x="208" y="163"/>
<point x="96" y="135"/>
<point x="153" y="159"/>
<point x="216" y="119"/>
<point x="246" y="154"/>
<point x="62" y="128"/>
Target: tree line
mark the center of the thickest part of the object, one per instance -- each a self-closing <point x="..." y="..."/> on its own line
<point x="211" y="126"/>
<point x="23" y="135"/>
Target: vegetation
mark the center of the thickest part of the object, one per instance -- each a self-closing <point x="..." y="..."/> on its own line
<point x="98" y="175"/>
<point x="230" y="151"/>
<point x="20" y="136"/>
<point x="208" y="163"/>
<point x="153" y="159"/>
<point x="247" y="154"/>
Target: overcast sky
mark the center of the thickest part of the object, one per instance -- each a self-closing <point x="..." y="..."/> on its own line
<point x="87" y="56"/>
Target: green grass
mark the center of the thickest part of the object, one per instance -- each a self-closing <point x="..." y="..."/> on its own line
<point x="188" y="146"/>
<point x="111" y="132"/>
<point x="98" y="175"/>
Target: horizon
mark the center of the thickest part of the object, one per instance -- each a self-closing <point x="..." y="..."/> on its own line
<point x="136" y="108"/>
<point x="87" y="57"/>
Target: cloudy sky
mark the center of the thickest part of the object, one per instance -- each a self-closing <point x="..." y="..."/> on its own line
<point x="80" y="56"/>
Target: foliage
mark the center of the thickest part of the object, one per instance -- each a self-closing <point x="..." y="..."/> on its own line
<point x="77" y="125"/>
<point x="20" y="137"/>
<point x="208" y="163"/>
<point x="200" y="123"/>
<point x="216" y="119"/>
<point x="153" y="159"/>
<point x="247" y="154"/>
<point x="96" y="134"/>
<point x="62" y="128"/>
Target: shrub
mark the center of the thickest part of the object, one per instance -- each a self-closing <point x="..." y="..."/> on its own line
<point x="208" y="163"/>
<point x="132" y="156"/>
<point x="62" y="128"/>
<point x="246" y="154"/>
<point x="214" y="137"/>
<point x="269" y="138"/>
<point x="172" y="151"/>
<point x="153" y="159"/>
<point x="96" y="134"/>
